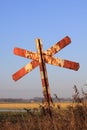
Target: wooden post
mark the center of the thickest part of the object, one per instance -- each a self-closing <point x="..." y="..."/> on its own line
<point x="44" y="77"/>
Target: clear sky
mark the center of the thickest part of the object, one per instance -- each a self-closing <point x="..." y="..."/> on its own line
<point x="21" y="21"/>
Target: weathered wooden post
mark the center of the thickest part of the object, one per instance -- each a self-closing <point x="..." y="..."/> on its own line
<point x="44" y="76"/>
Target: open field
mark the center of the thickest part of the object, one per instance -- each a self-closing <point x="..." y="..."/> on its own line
<point x="18" y="105"/>
<point x="31" y="105"/>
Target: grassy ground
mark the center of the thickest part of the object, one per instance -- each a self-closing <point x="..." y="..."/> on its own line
<point x="70" y="118"/>
<point x="63" y="116"/>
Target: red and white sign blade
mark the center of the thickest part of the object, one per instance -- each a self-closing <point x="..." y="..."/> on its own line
<point x="23" y="71"/>
<point x="25" y="53"/>
<point x="58" y="46"/>
<point x="61" y="62"/>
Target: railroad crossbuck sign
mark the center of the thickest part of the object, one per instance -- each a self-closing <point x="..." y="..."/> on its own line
<point x="40" y="58"/>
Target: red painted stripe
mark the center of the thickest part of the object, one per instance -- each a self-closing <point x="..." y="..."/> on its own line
<point x="64" y="42"/>
<point x="71" y="65"/>
<point x="19" y="74"/>
<point x="19" y="52"/>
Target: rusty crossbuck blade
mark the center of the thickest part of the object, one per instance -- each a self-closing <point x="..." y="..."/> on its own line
<point x="42" y="57"/>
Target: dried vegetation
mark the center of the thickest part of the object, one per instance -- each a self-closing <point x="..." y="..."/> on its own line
<point x="71" y="118"/>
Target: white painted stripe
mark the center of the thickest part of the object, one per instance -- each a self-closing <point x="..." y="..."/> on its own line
<point x="44" y="89"/>
<point x="42" y="75"/>
<point x="61" y="62"/>
<point x="27" y="54"/>
<point x="57" y="47"/>
<point x="28" y="67"/>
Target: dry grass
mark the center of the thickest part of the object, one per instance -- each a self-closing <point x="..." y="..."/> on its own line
<point x="72" y="118"/>
<point x="32" y="105"/>
<point x="66" y="116"/>
<point x="18" y="105"/>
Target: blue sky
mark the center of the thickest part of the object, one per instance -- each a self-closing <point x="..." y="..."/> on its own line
<point x="21" y="21"/>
